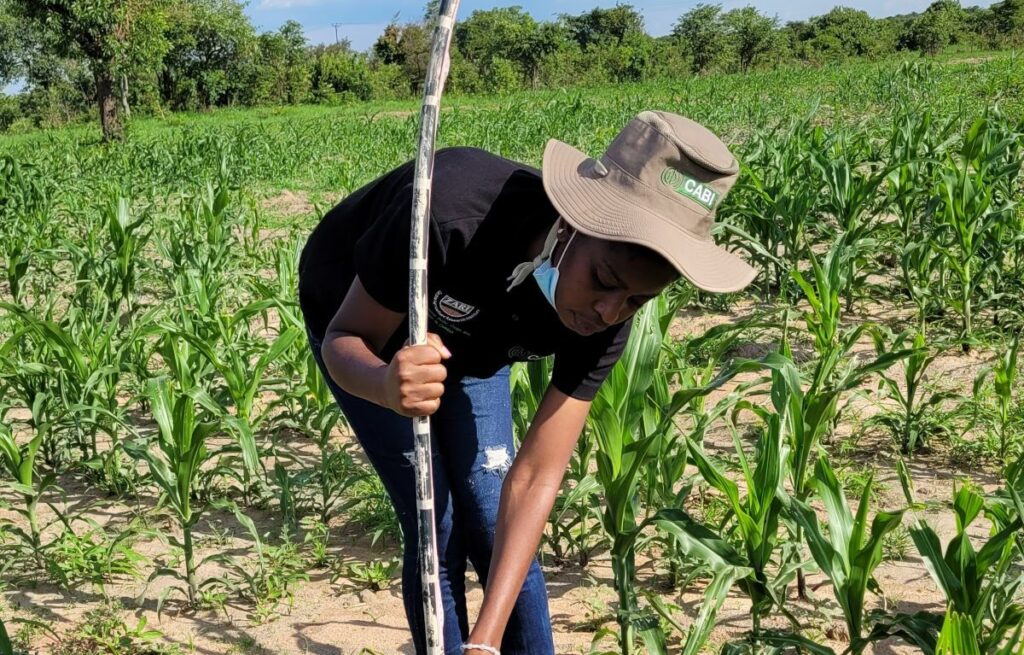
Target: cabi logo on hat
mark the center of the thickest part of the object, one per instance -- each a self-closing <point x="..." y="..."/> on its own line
<point x="659" y="185"/>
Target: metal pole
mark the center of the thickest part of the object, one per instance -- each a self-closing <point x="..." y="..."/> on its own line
<point x="437" y="71"/>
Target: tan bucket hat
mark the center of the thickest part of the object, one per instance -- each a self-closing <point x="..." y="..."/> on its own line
<point x="658" y="185"/>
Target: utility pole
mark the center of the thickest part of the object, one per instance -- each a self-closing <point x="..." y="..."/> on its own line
<point x="336" y="26"/>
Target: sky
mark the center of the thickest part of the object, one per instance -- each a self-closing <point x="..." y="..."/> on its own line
<point x="362" y="22"/>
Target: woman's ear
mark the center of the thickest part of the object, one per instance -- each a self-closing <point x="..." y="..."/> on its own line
<point x="565" y="231"/>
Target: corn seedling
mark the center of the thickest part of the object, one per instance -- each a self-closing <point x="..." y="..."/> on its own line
<point x="851" y="185"/>
<point x="1006" y="414"/>
<point x="757" y="512"/>
<point x="268" y="578"/>
<point x="966" y="212"/>
<point x="916" y="415"/>
<point x="850" y="552"/>
<point x="979" y="585"/>
<point x="181" y="439"/>
<point x="774" y="198"/>
<point x="20" y="462"/>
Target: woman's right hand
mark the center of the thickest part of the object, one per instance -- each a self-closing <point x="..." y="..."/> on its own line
<point x="415" y="377"/>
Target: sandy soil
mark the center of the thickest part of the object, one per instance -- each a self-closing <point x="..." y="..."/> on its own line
<point x="338" y="618"/>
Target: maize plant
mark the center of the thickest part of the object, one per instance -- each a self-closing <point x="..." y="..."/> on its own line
<point x="627" y="423"/>
<point x="623" y="424"/>
<point x="915" y="418"/>
<point x="127" y="239"/>
<point x="777" y="193"/>
<point x="850" y="552"/>
<point x="771" y="562"/>
<point x="965" y="212"/>
<point x="181" y="439"/>
<point x="850" y="199"/>
<point x="921" y="266"/>
<point x="980" y="585"/>
<point x="20" y="462"/>
<point x="1007" y="417"/>
<point x="83" y="357"/>
<point x="916" y="147"/>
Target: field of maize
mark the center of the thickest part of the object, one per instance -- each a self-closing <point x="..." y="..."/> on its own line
<point x="830" y="462"/>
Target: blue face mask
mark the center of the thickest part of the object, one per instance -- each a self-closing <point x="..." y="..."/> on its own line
<point x="546" y="275"/>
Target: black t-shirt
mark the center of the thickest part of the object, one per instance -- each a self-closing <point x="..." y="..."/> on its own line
<point x="485" y="212"/>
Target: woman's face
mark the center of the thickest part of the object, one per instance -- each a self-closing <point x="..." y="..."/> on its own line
<point x="602" y="283"/>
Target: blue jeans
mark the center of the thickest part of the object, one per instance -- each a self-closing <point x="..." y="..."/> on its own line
<point x="472" y="448"/>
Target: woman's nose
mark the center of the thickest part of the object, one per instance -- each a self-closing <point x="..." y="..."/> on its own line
<point x="609" y="308"/>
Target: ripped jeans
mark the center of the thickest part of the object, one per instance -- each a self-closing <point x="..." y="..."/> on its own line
<point x="472" y="447"/>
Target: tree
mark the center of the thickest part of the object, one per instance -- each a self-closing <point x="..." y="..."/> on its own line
<point x="937" y="27"/>
<point x="212" y="56"/>
<point x="843" y="33"/>
<point x="113" y="36"/>
<point x="11" y="46"/>
<point x="1008" y="18"/>
<point x="702" y="35"/>
<point x="282" y="67"/>
<point x="751" y="34"/>
<point x="407" y="46"/>
<point x="507" y="33"/>
<point x="603" y="26"/>
<point x="337" y="73"/>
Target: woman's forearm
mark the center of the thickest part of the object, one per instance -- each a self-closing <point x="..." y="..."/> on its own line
<point x="522" y="514"/>
<point x="355" y="367"/>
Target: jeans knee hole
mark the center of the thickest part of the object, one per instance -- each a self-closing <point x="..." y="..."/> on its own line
<point x="497" y="460"/>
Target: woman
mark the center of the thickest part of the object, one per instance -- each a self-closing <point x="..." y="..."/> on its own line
<point x="599" y="238"/>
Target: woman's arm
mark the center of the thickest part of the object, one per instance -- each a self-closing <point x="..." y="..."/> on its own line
<point x="411" y="384"/>
<point x="527" y="496"/>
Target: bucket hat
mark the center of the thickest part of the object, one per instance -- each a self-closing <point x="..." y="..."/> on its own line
<point x="658" y="185"/>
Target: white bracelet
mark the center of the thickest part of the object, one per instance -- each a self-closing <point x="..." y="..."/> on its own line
<point x="490" y="649"/>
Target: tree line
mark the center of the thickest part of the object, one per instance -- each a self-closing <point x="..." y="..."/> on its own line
<point x="116" y="57"/>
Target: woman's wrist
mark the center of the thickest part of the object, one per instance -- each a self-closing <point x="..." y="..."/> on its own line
<point x="475" y="648"/>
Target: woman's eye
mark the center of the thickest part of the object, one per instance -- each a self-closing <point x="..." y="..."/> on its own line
<point x="600" y="283"/>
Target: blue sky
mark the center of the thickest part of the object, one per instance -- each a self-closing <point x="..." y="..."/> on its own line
<point x="362" y="22"/>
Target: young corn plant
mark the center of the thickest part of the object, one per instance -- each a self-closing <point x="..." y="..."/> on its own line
<point x="916" y="416"/>
<point x="851" y="186"/>
<point x="848" y="552"/>
<point x="183" y="427"/>
<point x="127" y="240"/>
<point x="815" y="408"/>
<point x="921" y="267"/>
<point x="965" y="212"/>
<point x="627" y="422"/>
<point x="667" y="483"/>
<point x="20" y="462"/>
<point x="917" y="144"/>
<point x="980" y="585"/>
<point x="619" y="420"/>
<point x="1006" y="414"/>
<point x="771" y="563"/>
<point x="777" y="192"/>
<point x="243" y="380"/>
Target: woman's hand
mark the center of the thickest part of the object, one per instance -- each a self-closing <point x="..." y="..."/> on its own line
<point x="415" y="376"/>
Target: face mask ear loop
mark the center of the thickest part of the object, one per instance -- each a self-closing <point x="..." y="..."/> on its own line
<point x="523" y="270"/>
<point x="566" y="248"/>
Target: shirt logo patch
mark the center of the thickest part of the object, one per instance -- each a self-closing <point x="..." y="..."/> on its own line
<point x="518" y="353"/>
<point x="687" y="186"/>
<point x="452" y="309"/>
